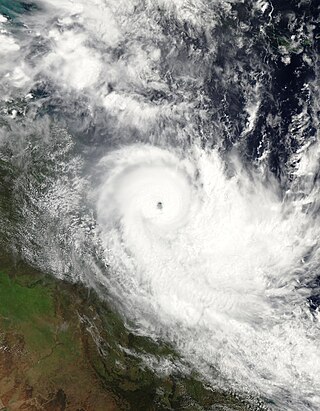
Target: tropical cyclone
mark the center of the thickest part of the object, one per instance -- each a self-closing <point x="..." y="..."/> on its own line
<point x="198" y="245"/>
<point x="218" y="259"/>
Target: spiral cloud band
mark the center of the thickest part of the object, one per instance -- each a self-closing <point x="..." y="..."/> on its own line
<point x="210" y="252"/>
<point x="166" y="153"/>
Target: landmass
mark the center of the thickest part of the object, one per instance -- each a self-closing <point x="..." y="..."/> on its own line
<point x="63" y="348"/>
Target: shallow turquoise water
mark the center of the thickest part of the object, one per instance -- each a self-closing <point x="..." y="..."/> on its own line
<point x="12" y="8"/>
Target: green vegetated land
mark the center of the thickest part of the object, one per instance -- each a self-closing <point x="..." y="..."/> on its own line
<point x="62" y="348"/>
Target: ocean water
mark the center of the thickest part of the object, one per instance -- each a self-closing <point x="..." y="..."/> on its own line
<point x="167" y="155"/>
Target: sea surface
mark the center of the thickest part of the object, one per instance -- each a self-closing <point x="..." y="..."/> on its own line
<point x="166" y="154"/>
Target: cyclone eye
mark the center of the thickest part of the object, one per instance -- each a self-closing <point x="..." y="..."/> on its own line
<point x="159" y="205"/>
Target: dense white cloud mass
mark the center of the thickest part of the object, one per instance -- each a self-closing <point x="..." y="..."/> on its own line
<point x="221" y="258"/>
<point x="151" y="195"/>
